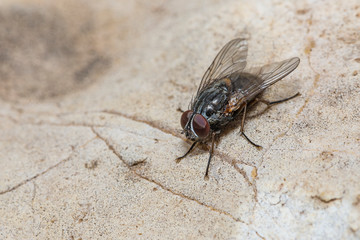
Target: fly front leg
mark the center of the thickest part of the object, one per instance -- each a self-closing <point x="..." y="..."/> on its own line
<point x="190" y="149"/>
<point x="211" y="153"/>
<point x="242" y="128"/>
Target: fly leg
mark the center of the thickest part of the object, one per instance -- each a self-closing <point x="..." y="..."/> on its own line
<point x="242" y="129"/>
<point x="190" y="149"/>
<point x="278" y="101"/>
<point x="180" y="110"/>
<point x="269" y="104"/>
<point x="211" y="153"/>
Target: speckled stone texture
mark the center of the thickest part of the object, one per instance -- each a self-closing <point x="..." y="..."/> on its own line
<point x="89" y="92"/>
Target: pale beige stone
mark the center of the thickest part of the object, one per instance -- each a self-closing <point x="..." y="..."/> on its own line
<point x="90" y="128"/>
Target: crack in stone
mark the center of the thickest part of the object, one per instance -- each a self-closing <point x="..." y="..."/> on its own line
<point x="75" y="124"/>
<point x="242" y="172"/>
<point x="70" y="124"/>
<point x="307" y="51"/>
<point x="33" y="209"/>
<point x="311" y="93"/>
<point x="222" y="155"/>
<point x="44" y="172"/>
<point x="263" y="238"/>
<point x="37" y="175"/>
<point x="133" y="118"/>
<point x="233" y="163"/>
<point x="12" y="119"/>
<point x="175" y="134"/>
<point x="321" y="199"/>
<point x="33" y="197"/>
<point x="269" y="148"/>
<point x="150" y="123"/>
<point x="138" y="163"/>
<point x="112" y="149"/>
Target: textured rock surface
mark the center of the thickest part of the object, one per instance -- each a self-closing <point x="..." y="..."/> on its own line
<point x="90" y="130"/>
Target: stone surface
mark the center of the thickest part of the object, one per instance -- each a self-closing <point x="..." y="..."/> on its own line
<point x="90" y="128"/>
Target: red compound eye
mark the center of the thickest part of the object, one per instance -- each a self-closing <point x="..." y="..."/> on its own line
<point x="185" y="118"/>
<point x="201" y="126"/>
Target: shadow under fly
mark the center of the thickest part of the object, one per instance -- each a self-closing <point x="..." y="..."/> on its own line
<point x="226" y="90"/>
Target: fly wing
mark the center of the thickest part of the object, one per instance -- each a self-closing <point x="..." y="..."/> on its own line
<point x="270" y="74"/>
<point x="231" y="58"/>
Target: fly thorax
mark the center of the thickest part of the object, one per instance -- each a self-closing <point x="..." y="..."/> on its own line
<point x="211" y="102"/>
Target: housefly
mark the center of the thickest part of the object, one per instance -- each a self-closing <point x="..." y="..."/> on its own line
<point x="227" y="90"/>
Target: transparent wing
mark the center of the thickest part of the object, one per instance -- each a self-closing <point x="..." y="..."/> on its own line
<point x="270" y="74"/>
<point x="231" y="58"/>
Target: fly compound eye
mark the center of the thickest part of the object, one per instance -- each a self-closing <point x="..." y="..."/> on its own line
<point x="185" y="118"/>
<point x="201" y="126"/>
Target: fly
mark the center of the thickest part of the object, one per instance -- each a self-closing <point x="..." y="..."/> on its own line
<point x="226" y="90"/>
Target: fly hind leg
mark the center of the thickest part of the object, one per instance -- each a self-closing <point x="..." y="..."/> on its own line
<point x="242" y="129"/>
<point x="278" y="101"/>
<point x="270" y="104"/>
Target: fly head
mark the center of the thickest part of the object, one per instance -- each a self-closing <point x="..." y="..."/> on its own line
<point x="195" y="126"/>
